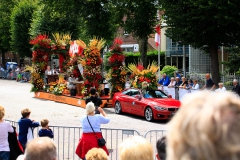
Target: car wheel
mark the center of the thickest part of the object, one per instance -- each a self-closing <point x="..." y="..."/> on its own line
<point x="148" y="114"/>
<point x="118" y="108"/>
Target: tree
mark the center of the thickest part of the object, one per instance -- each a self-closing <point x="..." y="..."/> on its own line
<point x="83" y="18"/>
<point x="233" y="65"/>
<point x="55" y="16"/>
<point x="204" y="24"/>
<point x="140" y="21"/>
<point x="5" y="12"/>
<point x="20" y="23"/>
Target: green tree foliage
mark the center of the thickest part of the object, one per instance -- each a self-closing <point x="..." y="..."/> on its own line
<point x="20" y="23"/>
<point x="5" y="13"/>
<point x="233" y="65"/>
<point x="100" y="19"/>
<point x="83" y="18"/>
<point x="169" y="70"/>
<point x="204" y="24"/>
<point x="140" y="21"/>
<point x="56" y="16"/>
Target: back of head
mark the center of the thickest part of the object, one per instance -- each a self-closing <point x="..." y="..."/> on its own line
<point x="96" y="154"/>
<point x="206" y="127"/>
<point x="2" y="112"/>
<point x="90" y="107"/>
<point x="42" y="148"/>
<point x="161" y="148"/>
<point x="25" y="112"/>
<point x="92" y="91"/>
<point x="136" y="148"/>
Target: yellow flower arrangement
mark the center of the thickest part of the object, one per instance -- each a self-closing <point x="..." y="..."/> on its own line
<point x="140" y="75"/>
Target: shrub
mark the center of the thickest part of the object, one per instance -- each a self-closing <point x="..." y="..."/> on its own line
<point x="169" y="70"/>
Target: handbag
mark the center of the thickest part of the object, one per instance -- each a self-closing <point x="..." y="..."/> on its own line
<point x="101" y="141"/>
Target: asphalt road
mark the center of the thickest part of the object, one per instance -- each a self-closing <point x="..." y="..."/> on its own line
<point x="14" y="96"/>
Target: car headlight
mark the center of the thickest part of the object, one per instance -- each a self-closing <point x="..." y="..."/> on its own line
<point x="160" y="108"/>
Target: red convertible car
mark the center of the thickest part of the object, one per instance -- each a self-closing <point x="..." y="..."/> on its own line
<point x="152" y="104"/>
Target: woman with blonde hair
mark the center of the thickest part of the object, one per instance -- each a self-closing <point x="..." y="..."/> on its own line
<point x="5" y="127"/>
<point x="206" y="127"/>
<point x="96" y="154"/>
<point x="172" y="83"/>
<point x="91" y="123"/>
<point x="221" y="88"/>
<point x="136" y="148"/>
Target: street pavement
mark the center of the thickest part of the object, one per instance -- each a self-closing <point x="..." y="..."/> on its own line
<point x="15" y="96"/>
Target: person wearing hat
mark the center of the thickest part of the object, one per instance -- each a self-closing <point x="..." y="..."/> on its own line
<point x="88" y="139"/>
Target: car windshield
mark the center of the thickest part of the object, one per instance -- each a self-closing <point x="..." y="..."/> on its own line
<point x="154" y="94"/>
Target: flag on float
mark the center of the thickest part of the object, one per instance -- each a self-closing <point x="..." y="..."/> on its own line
<point x="158" y="35"/>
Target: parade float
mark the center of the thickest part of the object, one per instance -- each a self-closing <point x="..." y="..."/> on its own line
<point x="117" y="70"/>
<point x="75" y="58"/>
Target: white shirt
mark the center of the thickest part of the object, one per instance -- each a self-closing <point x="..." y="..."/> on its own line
<point x="220" y="89"/>
<point x="127" y="85"/>
<point x="195" y="86"/>
<point x="5" y="127"/>
<point x="172" y="84"/>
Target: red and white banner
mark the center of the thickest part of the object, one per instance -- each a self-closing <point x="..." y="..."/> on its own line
<point x="158" y="35"/>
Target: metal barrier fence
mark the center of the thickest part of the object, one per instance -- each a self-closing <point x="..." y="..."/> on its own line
<point x="225" y="79"/>
<point x="13" y="75"/>
<point x="153" y="136"/>
<point x="66" y="139"/>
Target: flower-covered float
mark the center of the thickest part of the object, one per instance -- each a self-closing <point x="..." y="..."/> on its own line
<point x="75" y="58"/>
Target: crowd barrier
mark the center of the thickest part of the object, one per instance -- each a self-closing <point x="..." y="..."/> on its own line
<point x="66" y="139"/>
<point x="178" y="93"/>
<point x="13" y="75"/>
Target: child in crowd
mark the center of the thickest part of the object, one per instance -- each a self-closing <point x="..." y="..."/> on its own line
<point x="26" y="126"/>
<point x="45" y="131"/>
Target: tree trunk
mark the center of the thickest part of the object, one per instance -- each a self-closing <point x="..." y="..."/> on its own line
<point x="3" y="58"/>
<point x="143" y="51"/>
<point x="214" y="63"/>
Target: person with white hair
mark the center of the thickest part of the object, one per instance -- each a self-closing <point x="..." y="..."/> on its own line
<point x="205" y="128"/>
<point x="236" y="87"/>
<point x="221" y="88"/>
<point x="164" y="81"/>
<point x="42" y="148"/>
<point x="136" y="148"/>
<point x="91" y="123"/>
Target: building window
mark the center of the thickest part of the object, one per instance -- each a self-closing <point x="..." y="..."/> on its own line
<point x="130" y="49"/>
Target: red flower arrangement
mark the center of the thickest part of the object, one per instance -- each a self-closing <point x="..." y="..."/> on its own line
<point x="91" y="62"/>
<point x="117" y="73"/>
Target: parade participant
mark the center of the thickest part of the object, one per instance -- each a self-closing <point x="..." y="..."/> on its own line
<point x="55" y="71"/>
<point x="47" y="72"/>
<point x="209" y="83"/>
<point x="91" y="124"/>
<point x="95" y="99"/>
<point x="5" y="127"/>
<point x="172" y="83"/>
<point x="236" y="87"/>
<point x="165" y="80"/>
<point x="70" y="84"/>
<point x="221" y="88"/>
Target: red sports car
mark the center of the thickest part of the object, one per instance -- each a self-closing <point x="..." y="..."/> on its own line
<point x="152" y="104"/>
